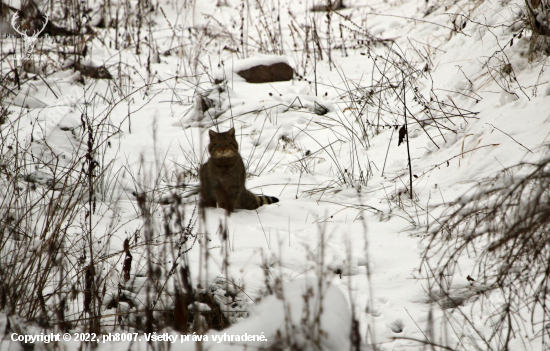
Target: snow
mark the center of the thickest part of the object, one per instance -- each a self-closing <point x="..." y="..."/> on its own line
<point x="278" y="313"/>
<point x="335" y="184"/>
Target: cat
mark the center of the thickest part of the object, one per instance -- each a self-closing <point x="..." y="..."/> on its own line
<point x="223" y="176"/>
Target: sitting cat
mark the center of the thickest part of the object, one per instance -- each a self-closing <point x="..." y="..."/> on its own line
<point x="223" y="177"/>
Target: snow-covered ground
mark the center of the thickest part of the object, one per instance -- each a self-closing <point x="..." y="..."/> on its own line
<point x="344" y="212"/>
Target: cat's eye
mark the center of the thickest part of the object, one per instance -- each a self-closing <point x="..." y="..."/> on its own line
<point x="217" y="144"/>
<point x="226" y="144"/>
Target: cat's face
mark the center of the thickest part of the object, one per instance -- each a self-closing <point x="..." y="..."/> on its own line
<point x="223" y="144"/>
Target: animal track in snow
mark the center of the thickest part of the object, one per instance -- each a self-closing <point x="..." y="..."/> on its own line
<point x="397" y="326"/>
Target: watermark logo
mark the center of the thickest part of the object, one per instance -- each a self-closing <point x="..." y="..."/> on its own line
<point x="29" y="39"/>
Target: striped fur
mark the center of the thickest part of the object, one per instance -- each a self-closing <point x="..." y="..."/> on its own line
<point x="265" y="200"/>
<point x="223" y="177"/>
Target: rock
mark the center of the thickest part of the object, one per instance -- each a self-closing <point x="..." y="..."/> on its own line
<point x="100" y="72"/>
<point x="276" y="72"/>
<point x="328" y="6"/>
<point x="210" y="103"/>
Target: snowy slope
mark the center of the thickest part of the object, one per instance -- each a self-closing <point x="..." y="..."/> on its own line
<point x="336" y="185"/>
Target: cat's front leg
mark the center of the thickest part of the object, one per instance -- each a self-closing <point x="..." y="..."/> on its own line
<point x="206" y="196"/>
<point x="224" y="199"/>
<point x="207" y="199"/>
<point x="229" y="198"/>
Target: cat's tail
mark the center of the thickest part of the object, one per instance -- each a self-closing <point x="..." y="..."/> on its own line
<point x="265" y="200"/>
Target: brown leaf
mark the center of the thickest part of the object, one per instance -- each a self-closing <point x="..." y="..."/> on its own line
<point x="402" y="133"/>
<point x="127" y="245"/>
<point x="127" y="266"/>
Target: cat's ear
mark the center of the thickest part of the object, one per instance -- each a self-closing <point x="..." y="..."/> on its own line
<point x="212" y="134"/>
<point x="231" y="132"/>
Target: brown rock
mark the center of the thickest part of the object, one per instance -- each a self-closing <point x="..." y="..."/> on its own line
<point x="100" y="72"/>
<point x="329" y="6"/>
<point x="277" y="72"/>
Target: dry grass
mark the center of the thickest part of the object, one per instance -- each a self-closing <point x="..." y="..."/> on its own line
<point x="504" y="226"/>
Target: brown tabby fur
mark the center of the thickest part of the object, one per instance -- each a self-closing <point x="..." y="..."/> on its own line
<point x="223" y="177"/>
